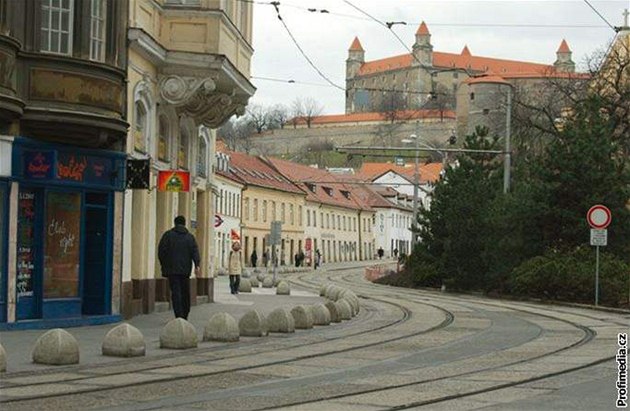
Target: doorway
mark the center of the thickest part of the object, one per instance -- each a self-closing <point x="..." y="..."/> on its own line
<point x="95" y="262"/>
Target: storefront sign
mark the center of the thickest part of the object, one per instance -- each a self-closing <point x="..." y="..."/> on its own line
<point x="39" y="164"/>
<point x="71" y="167"/>
<point x="138" y="174"/>
<point x="173" y="180"/>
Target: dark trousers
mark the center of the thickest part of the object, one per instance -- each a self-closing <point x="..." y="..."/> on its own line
<point x="235" y="281"/>
<point x="180" y="295"/>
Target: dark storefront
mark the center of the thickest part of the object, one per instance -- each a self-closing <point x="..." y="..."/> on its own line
<point x="64" y="233"/>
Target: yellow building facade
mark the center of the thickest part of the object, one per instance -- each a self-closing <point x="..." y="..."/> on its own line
<point x="188" y="73"/>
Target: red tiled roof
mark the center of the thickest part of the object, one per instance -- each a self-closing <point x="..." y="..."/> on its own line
<point x="317" y="184"/>
<point x="564" y="47"/>
<point x="428" y="172"/>
<point x="378" y="116"/>
<point x="254" y="171"/>
<point x="369" y="196"/>
<point x="423" y="29"/>
<point x="465" y="60"/>
<point x="356" y="45"/>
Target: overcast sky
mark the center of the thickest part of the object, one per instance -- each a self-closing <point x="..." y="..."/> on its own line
<point x="326" y="37"/>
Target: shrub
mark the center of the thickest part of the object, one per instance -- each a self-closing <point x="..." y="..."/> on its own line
<point x="570" y="276"/>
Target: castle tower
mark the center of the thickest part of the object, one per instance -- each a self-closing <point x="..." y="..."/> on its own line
<point x="356" y="58"/>
<point x="422" y="48"/>
<point x="563" y="61"/>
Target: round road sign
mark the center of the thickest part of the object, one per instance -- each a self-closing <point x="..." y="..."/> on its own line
<point x="599" y="216"/>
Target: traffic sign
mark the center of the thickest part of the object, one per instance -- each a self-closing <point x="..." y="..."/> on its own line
<point x="217" y="221"/>
<point x="276" y="233"/>
<point x="599" y="237"/>
<point x="599" y="216"/>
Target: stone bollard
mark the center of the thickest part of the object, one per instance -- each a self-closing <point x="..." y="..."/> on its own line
<point x="283" y="288"/>
<point x="254" y="282"/>
<point x="344" y="308"/>
<point x="334" y="312"/>
<point x="222" y="271"/>
<point x="268" y="282"/>
<point x="353" y="300"/>
<point x="280" y="320"/>
<point x="302" y="317"/>
<point x="328" y="290"/>
<point x="245" y="285"/>
<point x="260" y="277"/>
<point x="335" y="293"/>
<point x="56" y="347"/>
<point x="257" y="270"/>
<point x="221" y="327"/>
<point x="321" y="315"/>
<point x="178" y="334"/>
<point x="253" y="324"/>
<point x="124" y="340"/>
<point x="277" y="281"/>
<point x="322" y="290"/>
<point x="3" y="359"/>
<point x="245" y="273"/>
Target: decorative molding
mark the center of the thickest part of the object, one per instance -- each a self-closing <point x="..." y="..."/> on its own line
<point x="198" y="99"/>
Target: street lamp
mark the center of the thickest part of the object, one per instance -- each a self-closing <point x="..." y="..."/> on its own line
<point x="416" y="182"/>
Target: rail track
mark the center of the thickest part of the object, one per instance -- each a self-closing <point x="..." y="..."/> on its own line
<point x="403" y="342"/>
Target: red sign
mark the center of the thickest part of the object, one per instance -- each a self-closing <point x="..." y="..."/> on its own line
<point x="234" y="236"/>
<point x="599" y="216"/>
<point x="70" y="167"/>
<point x="173" y="180"/>
<point x="217" y="221"/>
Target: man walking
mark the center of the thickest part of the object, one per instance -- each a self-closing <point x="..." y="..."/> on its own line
<point x="177" y="252"/>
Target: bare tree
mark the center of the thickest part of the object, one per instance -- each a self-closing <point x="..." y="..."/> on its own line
<point x="237" y="134"/>
<point x="259" y="117"/>
<point x="279" y="116"/>
<point x="441" y="99"/>
<point x="297" y="111"/>
<point x="312" y="109"/>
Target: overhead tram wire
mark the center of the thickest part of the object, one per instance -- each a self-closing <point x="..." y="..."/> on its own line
<point x="615" y="29"/>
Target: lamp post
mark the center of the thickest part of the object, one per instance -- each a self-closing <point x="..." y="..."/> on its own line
<point x="416" y="182"/>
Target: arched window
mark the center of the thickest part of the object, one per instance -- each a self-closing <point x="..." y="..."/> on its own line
<point x="182" y="153"/>
<point x="163" y="140"/>
<point x="140" y="126"/>
<point x="202" y="155"/>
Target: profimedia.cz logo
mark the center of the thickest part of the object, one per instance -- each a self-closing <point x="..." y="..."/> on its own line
<point x="622" y="371"/>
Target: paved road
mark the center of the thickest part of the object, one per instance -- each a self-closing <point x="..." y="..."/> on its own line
<point x="406" y="349"/>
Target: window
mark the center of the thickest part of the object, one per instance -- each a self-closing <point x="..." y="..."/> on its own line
<point x="255" y="211"/>
<point x="472" y="96"/>
<point x="97" y="30"/>
<point x="283" y="215"/>
<point x="246" y="209"/>
<point x="220" y="209"/>
<point x="327" y="221"/>
<point x="314" y="219"/>
<point x="182" y="153"/>
<point x="291" y="214"/>
<point x="56" y="30"/>
<point x="333" y="221"/>
<point x="163" y="139"/>
<point x="201" y="158"/>
<point x="274" y="214"/>
<point x="140" y="126"/>
<point x="338" y="222"/>
<point x="308" y="218"/>
<point x="238" y="205"/>
<point x="264" y="211"/>
<point x="321" y="218"/>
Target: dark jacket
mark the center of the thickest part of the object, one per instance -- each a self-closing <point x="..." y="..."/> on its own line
<point x="177" y="252"/>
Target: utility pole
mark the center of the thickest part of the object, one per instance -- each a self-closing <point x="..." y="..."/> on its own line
<point x="507" y="163"/>
<point x="416" y="182"/>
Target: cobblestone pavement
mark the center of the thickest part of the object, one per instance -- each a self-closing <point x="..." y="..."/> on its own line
<point x="406" y="349"/>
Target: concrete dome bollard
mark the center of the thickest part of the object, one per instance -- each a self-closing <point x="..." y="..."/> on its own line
<point x="221" y="327"/>
<point x="283" y="288"/>
<point x="3" y="359"/>
<point x="260" y="277"/>
<point x="334" y="312"/>
<point x="257" y="270"/>
<point x="321" y="315"/>
<point x="254" y="282"/>
<point x="277" y="281"/>
<point x="178" y="334"/>
<point x="302" y="317"/>
<point x="245" y="285"/>
<point x="322" y="290"/>
<point x="253" y="324"/>
<point x="124" y="340"/>
<point x="222" y="271"/>
<point x="344" y="308"/>
<point x="353" y="300"/>
<point x="335" y="293"/>
<point x="56" y="347"/>
<point x="245" y="273"/>
<point x="267" y="282"/>
<point x="328" y="291"/>
<point x="280" y="320"/>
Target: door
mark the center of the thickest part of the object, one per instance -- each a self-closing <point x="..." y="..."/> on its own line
<point x="95" y="266"/>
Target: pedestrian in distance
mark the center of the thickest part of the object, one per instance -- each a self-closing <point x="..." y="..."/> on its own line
<point x="395" y="253"/>
<point x="265" y="258"/>
<point x="177" y="252"/>
<point x="235" y="266"/>
<point x="254" y="258"/>
<point x="381" y="253"/>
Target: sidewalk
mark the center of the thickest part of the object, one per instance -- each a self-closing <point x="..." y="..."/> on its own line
<point x="19" y="344"/>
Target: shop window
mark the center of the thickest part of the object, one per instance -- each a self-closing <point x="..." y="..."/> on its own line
<point x="163" y="139"/>
<point x="56" y="28"/>
<point x="97" y="30"/>
<point x="62" y="241"/>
